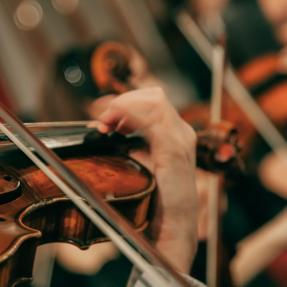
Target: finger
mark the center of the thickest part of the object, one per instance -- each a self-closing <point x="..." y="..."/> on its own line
<point x="92" y="124"/>
<point x="99" y="106"/>
<point x="123" y="128"/>
<point x="111" y="117"/>
<point x="101" y="127"/>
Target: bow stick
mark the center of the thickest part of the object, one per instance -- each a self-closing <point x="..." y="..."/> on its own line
<point x="214" y="180"/>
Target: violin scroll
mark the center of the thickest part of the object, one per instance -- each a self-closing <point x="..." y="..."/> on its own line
<point x="110" y="67"/>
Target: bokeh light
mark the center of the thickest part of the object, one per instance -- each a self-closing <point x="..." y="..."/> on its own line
<point x="28" y="15"/>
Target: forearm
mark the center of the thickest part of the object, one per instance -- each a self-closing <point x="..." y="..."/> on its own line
<point x="175" y="230"/>
<point x="260" y="248"/>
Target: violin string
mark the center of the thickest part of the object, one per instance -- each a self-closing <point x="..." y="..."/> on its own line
<point x="232" y="84"/>
<point x="136" y="253"/>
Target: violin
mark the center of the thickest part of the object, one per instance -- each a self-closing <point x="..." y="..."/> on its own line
<point x="34" y="211"/>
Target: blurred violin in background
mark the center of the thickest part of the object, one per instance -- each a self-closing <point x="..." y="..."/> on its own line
<point x="266" y="79"/>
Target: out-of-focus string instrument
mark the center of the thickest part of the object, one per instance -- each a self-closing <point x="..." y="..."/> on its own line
<point x="266" y="82"/>
<point x="240" y="107"/>
<point x="33" y="210"/>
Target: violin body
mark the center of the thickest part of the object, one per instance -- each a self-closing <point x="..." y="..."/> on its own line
<point x="34" y="211"/>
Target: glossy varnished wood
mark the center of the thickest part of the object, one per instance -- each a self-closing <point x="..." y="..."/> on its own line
<point x="40" y="213"/>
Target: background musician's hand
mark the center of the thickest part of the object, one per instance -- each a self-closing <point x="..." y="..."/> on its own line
<point x="171" y="158"/>
<point x="272" y="172"/>
<point x="275" y="11"/>
<point x="260" y="248"/>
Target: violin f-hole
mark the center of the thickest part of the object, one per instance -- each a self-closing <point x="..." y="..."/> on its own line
<point x="10" y="186"/>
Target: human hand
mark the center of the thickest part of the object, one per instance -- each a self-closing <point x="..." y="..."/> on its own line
<point x="260" y="248"/>
<point x="171" y="158"/>
<point x="272" y="172"/>
<point x="275" y="11"/>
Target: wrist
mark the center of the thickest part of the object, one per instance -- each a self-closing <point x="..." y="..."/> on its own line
<point x="177" y="180"/>
<point x="273" y="12"/>
<point x="174" y="227"/>
<point x="178" y="245"/>
<point x="171" y="147"/>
